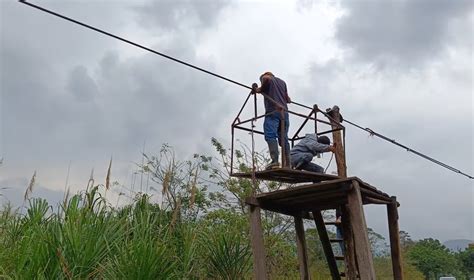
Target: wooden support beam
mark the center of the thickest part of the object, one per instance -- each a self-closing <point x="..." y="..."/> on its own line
<point x="301" y="248"/>
<point x="258" y="248"/>
<point x="370" y="200"/>
<point x="301" y="190"/>
<point x="322" y="195"/>
<point x="395" y="248"/>
<point x="359" y="229"/>
<point x="337" y="140"/>
<point x="369" y="193"/>
<point x="323" y="236"/>
<point x="349" y="248"/>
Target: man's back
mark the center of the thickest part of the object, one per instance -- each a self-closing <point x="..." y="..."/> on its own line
<point x="276" y="89"/>
<point x="310" y="144"/>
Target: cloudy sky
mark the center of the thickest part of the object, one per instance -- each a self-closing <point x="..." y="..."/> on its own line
<point x="74" y="98"/>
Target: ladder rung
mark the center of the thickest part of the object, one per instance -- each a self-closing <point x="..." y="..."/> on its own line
<point x="336" y="240"/>
<point x="339" y="258"/>
<point x="343" y="274"/>
<point x="331" y="223"/>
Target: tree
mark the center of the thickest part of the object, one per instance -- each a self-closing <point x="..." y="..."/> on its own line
<point x="377" y="243"/>
<point x="466" y="260"/>
<point x="433" y="259"/>
<point x="405" y="240"/>
<point x="182" y="191"/>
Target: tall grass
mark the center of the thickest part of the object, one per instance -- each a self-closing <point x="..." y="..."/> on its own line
<point x="191" y="234"/>
<point x="228" y="256"/>
<point x="86" y="239"/>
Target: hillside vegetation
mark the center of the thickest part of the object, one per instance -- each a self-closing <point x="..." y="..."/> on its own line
<point x="189" y="222"/>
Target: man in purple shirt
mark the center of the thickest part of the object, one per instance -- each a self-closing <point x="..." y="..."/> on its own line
<point x="276" y="118"/>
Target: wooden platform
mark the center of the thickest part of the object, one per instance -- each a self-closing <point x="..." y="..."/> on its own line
<point x="301" y="200"/>
<point x="287" y="175"/>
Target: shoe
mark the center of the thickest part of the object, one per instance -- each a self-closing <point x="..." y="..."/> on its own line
<point x="299" y="165"/>
<point x="272" y="165"/>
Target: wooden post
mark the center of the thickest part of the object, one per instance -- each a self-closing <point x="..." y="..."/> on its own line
<point x="359" y="229"/>
<point x="337" y="140"/>
<point x="393" y="230"/>
<point x="301" y="248"/>
<point x="348" y="235"/>
<point x="349" y="248"/>
<point x="258" y="249"/>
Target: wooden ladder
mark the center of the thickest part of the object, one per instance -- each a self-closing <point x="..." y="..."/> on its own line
<point x="327" y="247"/>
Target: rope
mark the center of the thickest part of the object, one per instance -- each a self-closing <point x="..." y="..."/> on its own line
<point x="393" y="141"/>
<point x="233" y="81"/>
<point x="329" y="163"/>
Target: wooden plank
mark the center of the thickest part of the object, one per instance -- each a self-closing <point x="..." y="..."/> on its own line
<point x="349" y="248"/>
<point x="393" y="230"/>
<point x="287" y="175"/>
<point x="319" y="202"/>
<point x="364" y="185"/>
<point x="288" y="172"/>
<point x="361" y="238"/>
<point x="369" y="188"/>
<point x="258" y="249"/>
<point x="309" y="195"/>
<point x="370" y="200"/>
<point x="291" y="210"/>
<point x="301" y="248"/>
<point x="304" y="189"/>
<point x="323" y="236"/>
<point x="369" y="193"/>
<point x="324" y="206"/>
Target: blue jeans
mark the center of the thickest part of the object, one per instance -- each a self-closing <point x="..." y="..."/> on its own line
<point x="302" y="161"/>
<point x="312" y="167"/>
<point x="340" y="236"/>
<point x="272" y="128"/>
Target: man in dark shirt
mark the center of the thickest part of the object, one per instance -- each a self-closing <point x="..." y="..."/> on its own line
<point x="276" y="118"/>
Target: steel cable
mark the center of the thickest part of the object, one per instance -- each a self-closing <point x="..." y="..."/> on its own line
<point x="393" y="141"/>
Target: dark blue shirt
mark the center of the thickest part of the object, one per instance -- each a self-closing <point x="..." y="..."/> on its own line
<point x="276" y="89"/>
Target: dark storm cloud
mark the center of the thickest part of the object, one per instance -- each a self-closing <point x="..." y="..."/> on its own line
<point x="149" y="97"/>
<point x="401" y="31"/>
<point x="69" y="94"/>
<point x="56" y="109"/>
<point x="429" y="111"/>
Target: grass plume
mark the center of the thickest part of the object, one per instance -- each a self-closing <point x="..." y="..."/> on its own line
<point x="29" y="189"/>
<point x="107" y="178"/>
